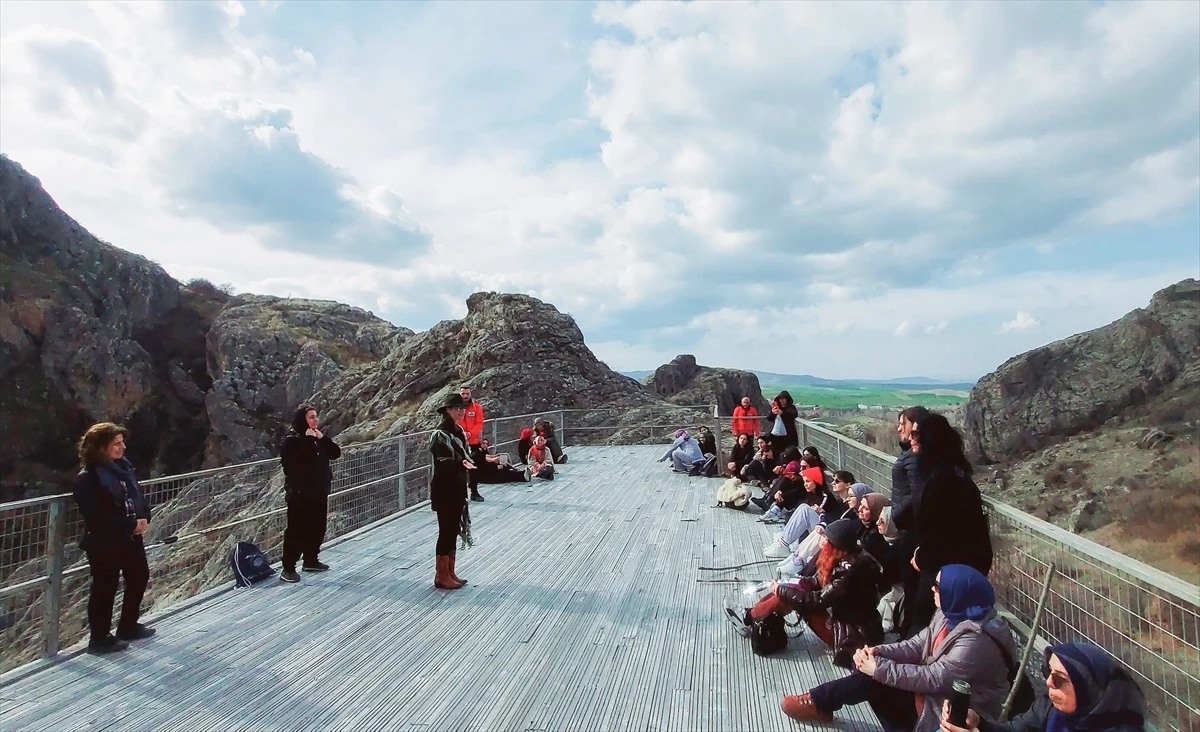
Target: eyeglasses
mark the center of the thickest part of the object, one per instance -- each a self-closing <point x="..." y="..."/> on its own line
<point x="1057" y="680"/>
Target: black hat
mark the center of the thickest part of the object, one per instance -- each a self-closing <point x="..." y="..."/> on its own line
<point x="452" y="400"/>
<point x="843" y="534"/>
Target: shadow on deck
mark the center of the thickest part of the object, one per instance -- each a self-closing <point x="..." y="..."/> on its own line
<point x="583" y="613"/>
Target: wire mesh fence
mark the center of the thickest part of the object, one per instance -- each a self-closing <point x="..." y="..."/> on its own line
<point x="1147" y="619"/>
<point x="198" y="518"/>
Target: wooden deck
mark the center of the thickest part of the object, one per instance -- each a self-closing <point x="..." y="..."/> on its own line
<point x="583" y="613"/>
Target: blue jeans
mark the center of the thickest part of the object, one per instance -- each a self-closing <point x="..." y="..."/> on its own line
<point x="895" y="708"/>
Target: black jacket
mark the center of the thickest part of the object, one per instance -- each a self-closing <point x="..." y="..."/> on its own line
<point x="902" y="482"/>
<point x="951" y="527"/>
<point x="741" y="456"/>
<point x="850" y="596"/>
<point x="789" y="415"/>
<point x="708" y="445"/>
<point x="105" y="523"/>
<point x="888" y="556"/>
<point x="305" y="462"/>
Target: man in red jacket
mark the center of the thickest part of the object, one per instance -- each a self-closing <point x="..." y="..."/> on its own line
<point x="745" y="419"/>
<point x="472" y="424"/>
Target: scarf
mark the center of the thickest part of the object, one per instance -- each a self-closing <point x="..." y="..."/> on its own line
<point x="966" y="594"/>
<point x="876" y="502"/>
<point x="892" y="534"/>
<point x="858" y="490"/>
<point x="539" y="454"/>
<point x="1105" y="696"/>
<point x="118" y="479"/>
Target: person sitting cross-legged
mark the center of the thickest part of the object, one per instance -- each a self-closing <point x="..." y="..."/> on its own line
<point x="540" y="459"/>
<point x="799" y="542"/>
<point x="905" y="683"/>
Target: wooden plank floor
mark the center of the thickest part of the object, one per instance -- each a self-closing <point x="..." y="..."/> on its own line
<point x="583" y="613"/>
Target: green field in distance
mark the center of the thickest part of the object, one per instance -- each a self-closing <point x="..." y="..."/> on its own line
<point x="831" y="397"/>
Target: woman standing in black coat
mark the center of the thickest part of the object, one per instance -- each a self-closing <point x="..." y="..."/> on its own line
<point x="305" y="455"/>
<point x="115" y="516"/>
<point x="783" y="428"/>
<point x="448" y="489"/>
<point x="949" y="524"/>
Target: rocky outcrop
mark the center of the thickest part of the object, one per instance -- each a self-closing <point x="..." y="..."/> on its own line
<point x="89" y="332"/>
<point x="1147" y="360"/>
<point x="683" y="381"/>
<point x="518" y="354"/>
<point x="266" y="355"/>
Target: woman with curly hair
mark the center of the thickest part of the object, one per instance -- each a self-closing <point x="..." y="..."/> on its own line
<point x="116" y="515"/>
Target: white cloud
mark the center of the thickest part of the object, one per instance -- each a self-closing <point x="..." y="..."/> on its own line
<point x="667" y="172"/>
<point x="1023" y="321"/>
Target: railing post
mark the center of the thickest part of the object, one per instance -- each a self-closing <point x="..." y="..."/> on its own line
<point x="402" y="481"/>
<point x="562" y="428"/>
<point x="717" y="434"/>
<point x="841" y="454"/>
<point x="55" y="548"/>
<point x="804" y="441"/>
<point x="495" y="432"/>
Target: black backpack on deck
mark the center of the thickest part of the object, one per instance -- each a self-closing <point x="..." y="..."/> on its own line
<point x="768" y="635"/>
<point x="250" y="565"/>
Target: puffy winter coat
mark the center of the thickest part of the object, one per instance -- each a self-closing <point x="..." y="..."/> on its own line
<point x="971" y="652"/>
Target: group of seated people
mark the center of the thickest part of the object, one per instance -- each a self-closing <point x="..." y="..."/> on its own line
<point x="538" y="450"/>
<point x="689" y="454"/>
<point x="856" y="564"/>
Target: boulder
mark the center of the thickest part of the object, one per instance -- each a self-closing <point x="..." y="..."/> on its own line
<point x="684" y="382"/>
<point x="1088" y="515"/>
<point x="1147" y="360"/>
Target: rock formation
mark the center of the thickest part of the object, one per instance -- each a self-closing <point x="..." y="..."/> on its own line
<point x="1149" y="359"/>
<point x="518" y="354"/>
<point x="266" y="355"/>
<point x="683" y="381"/>
<point x="89" y="332"/>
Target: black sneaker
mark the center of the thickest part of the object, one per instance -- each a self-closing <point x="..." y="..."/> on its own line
<point x="476" y="497"/>
<point x="289" y="575"/>
<point x="137" y="632"/>
<point x="316" y="567"/>
<point x="107" y="644"/>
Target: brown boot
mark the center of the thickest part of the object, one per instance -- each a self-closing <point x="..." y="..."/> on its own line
<point x="454" y="574"/>
<point x="802" y="709"/>
<point x="443" y="580"/>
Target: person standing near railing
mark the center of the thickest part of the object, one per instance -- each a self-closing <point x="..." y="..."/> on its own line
<point x="116" y="515"/>
<point x="452" y="463"/>
<point x="472" y="424"/>
<point x="745" y="419"/>
<point x="783" y="428"/>
<point x="950" y="526"/>
<point x="305" y="456"/>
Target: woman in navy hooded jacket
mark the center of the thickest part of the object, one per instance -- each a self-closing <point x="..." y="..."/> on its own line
<point x="305" y="456"/>
<point x="115" y="516"/>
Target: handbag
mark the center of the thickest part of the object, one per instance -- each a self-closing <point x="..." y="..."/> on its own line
<point x="768" y="636"/>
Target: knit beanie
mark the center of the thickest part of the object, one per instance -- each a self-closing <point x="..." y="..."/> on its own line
<point x="843" y="534"/>
<point x="815" y="475"/>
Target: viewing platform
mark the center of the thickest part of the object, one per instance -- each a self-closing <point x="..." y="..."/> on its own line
<point x="583" y="612"/>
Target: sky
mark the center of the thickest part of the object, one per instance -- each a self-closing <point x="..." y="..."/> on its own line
<point x="851" y="190"/>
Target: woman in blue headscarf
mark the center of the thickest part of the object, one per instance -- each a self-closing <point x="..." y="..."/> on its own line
<point x="1086" y="691"/>
<point x="907" y="682"/>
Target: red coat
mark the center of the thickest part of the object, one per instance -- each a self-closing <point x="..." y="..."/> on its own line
<point x="745" y="421"/>
<point x="472" y="422"/>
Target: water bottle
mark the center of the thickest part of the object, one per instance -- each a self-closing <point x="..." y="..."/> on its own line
<point x="960" y="702"/>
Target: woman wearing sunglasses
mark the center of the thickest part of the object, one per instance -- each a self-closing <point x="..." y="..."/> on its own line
<point x="1085" y="690"/>
<point x="905" y="683"/>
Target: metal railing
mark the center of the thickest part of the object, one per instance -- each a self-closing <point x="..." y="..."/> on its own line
<point x="1144" y="617"/>
<point x="198" y="519"/>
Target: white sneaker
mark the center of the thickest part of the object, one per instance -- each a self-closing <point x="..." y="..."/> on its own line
<point x="788" y="567"/>
<point x="777" y="550"/>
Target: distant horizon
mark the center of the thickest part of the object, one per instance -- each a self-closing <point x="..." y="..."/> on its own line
<point x="913" y="380"/>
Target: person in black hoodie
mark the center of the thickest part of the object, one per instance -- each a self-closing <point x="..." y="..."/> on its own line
<point x="949" y="525"/>
<point x="907" y="489"/>
<point x="307" y="477"/>
<point x="783" y="428"/>
<point x="116" y="515"/>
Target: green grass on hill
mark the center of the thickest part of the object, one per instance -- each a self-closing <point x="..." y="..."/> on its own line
<point x="850" y="397"/>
